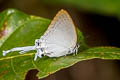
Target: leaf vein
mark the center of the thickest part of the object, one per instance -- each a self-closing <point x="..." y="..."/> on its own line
<point x="14" y="69"/>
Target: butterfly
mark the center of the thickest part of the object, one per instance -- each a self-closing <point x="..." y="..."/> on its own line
<point x="60" y="39"/>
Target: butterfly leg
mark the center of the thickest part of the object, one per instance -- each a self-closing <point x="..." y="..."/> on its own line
<point x="76" y="48"/>
<point x="38" y="54"/>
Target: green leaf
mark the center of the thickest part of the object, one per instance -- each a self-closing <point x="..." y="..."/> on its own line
<point x="110" y="7"/>
<point x="19" y="29"/>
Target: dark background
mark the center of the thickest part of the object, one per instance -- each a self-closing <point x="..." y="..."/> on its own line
<point x="100" y="28"/>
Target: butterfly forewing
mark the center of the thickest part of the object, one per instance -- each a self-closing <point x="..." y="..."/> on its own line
<point x="61" y="34"/>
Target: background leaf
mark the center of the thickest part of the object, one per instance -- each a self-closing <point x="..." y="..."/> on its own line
<point x="110" y="7"/>
<point x="21" y="30"/>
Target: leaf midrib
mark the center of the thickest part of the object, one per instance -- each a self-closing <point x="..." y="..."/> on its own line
<point x="20" y="55"/>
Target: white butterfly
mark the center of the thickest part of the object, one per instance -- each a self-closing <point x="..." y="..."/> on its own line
<point x="59" y="39"/>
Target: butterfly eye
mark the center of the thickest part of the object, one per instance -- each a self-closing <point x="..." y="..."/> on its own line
<point x="37" y="42"/>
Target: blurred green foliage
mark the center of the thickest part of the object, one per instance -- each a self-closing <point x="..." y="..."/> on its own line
<point x="108" y="7"/>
